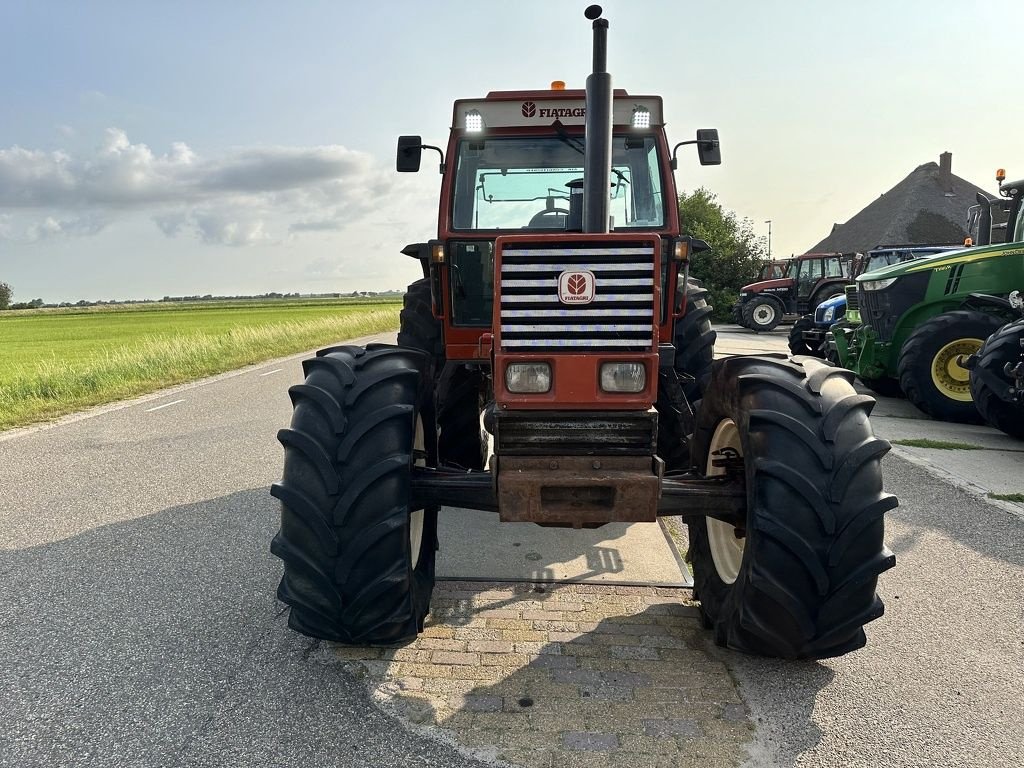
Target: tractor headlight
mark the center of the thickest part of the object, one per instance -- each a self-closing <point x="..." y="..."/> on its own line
<point x="528" y="377"/>
<point x="877" y="285"/>
<point x="830" y="312"/>
<point x="623" y="377"/>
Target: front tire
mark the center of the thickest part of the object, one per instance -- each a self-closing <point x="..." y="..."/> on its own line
<point x="798" y="581"/>
<point x="358" y="553"/>
<point x="418" y="328"/>
<point x="929" y="370"/>
<point x="1002" y="348"/>
<point x="762" y="314"/>
<point x="797" y="344"/>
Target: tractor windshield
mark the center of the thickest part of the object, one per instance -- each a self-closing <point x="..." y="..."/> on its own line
<point x="523" y="183"/>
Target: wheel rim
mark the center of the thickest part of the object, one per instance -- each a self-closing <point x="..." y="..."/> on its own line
<point x="726" y="549"/>
<point x="764" y="314"/>
<point x="419" y="453"/>
<point x="949" y="377"/>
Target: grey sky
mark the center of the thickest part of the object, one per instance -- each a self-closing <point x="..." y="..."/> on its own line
<point x="196" y="147"/>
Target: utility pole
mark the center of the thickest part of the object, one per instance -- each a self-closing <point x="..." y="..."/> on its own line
<point x="769" y="223"/>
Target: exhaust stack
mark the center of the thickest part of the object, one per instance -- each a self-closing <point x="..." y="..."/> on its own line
<point x="597" y="159"/>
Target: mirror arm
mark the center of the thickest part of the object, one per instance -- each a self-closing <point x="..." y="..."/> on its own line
<point x="438" y="150"/>
<point x="709" y="142"/>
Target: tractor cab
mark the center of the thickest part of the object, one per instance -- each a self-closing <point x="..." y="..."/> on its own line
<point x="515" y="167"/>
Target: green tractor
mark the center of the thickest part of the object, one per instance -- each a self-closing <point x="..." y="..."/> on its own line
<point x="921" y="320"/>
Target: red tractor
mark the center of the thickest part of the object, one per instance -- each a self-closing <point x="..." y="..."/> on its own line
<point x="547" y="369"/>
<point x="809" y="280"/>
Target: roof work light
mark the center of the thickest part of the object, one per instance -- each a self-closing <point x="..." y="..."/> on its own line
<point x="474" y="121"/>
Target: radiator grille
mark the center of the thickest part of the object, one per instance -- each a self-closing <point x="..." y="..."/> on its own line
<point x="851" y="298"/>
<point x="585" y="433"/>
<point x="619" y="318"/>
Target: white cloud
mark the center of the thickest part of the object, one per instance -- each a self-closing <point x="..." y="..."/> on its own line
<point x="324" y="225"/>
<point x="226" y="228"/>
<point x="73" y="227"/>
<point x="223" y="199"/>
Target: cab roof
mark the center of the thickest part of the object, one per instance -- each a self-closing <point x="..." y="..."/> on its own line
<point x="539" y="109"/>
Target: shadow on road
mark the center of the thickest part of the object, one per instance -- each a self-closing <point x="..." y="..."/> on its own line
<point x="159" y="642"/>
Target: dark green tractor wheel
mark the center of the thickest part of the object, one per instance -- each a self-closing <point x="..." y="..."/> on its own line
<point x="931" y="370"/>
<point x="1000" y="353"/>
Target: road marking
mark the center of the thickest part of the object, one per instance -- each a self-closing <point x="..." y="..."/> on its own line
<point x="165" y="405"/>
<point x="276" y="370"/>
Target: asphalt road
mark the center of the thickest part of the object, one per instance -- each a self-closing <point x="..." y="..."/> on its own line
<point x="138" y="625"/>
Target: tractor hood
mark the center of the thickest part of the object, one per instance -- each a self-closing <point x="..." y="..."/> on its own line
<point x="836" y="301"/>
<point x="946" y="259"/>
<point x="767" y="285"/>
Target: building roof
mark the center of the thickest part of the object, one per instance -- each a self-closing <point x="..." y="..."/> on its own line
<point x="928" y="207"/>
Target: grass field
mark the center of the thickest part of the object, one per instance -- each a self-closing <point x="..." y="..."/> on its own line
<point x="54" y="362"/>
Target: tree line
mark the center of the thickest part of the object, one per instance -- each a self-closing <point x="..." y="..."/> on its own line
<point x="736" y="252"/>
<point x="7" y="294"/>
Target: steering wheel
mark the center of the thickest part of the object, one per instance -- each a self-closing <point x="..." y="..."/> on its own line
<point x="541" y="219"/>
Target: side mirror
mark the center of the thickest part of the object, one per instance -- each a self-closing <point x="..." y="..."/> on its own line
<point x="410" y="149"/>
<point x="698" y="246"/>
<point x="708" y="149"/>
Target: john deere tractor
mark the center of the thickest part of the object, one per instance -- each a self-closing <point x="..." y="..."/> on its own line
<point x="555" y="365"/>
<point x="921" y="320"/>
<point x="808" y="334"/>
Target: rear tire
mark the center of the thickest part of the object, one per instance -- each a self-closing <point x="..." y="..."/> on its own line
<point x="358" y="555"/>
<point x="418" y="328"/>
<point x="929" y="374"/>
<point x="801" y="581"/>
<point x="762" y="314"/>
<point x="694" y="340"/>
<point x="797" y="344"/>
<point x="458" y="417"/>
<point x="1001" y="348"/>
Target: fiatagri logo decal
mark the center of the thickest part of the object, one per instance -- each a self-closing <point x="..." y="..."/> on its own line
<point x="530" y="110"/>
<point x="576" y="287"/>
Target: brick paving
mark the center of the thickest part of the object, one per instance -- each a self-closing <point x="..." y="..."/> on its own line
<point x="563" y="675"/>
